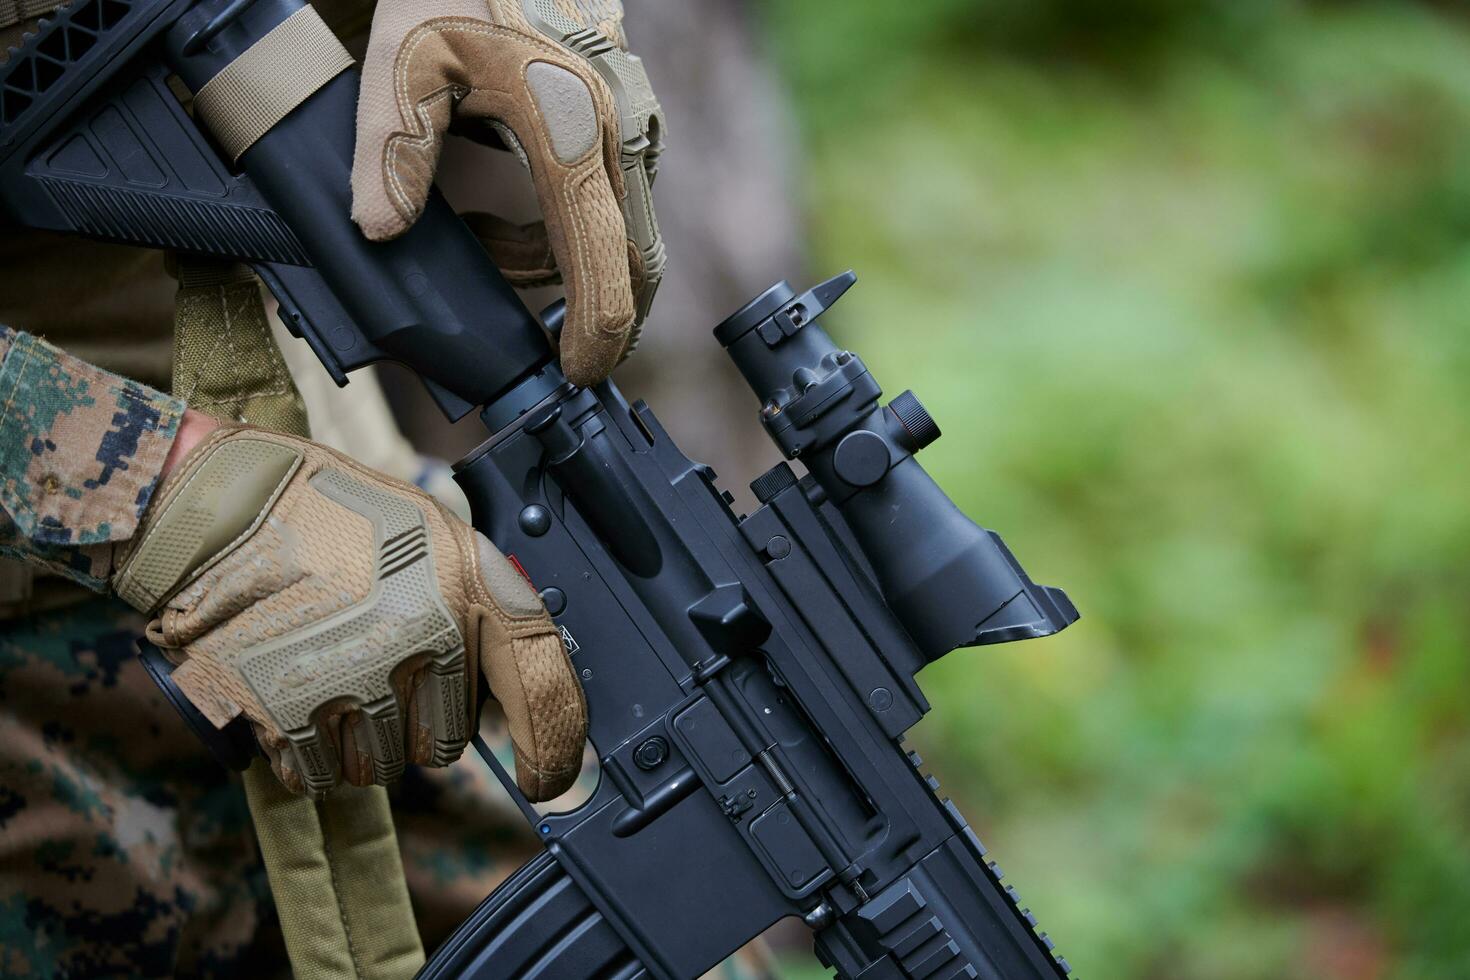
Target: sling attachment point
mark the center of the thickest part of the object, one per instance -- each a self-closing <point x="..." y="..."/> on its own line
<point x="274" y="76"/>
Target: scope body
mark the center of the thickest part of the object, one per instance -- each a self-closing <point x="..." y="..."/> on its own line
<point x="951" y="582"/>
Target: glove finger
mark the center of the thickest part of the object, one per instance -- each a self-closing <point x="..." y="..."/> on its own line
<point x="279" y="754"/>
<point x="591" y="251"/>
<point x="640" y="150"/>
<point x="354" y="748"/>
<point x="632" y="125"/>
<point x="410" y="79"/>
<point x="579" y="198"/>
<point x="563" y="118"/>
<point x="530" y="674"/>
<point x="637" y="145"/>
<point x="522" y="252"/>
<point x="559" y="112"/>
<point x="532" y="678"/>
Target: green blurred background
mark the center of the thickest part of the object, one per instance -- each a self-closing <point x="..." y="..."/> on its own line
<point x="1187" y="285"/>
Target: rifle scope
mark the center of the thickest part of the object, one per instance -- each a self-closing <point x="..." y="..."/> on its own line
<point x="951" y="582"/>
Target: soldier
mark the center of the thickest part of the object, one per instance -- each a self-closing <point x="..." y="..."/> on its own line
<point x="125" y="849"/>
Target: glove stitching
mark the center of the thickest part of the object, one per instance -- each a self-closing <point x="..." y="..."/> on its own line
<point x="532" y="717"/>
<point x="426" y="137"/>
<point x="440" y="28"/>
<point x="406" y="210"/>
<point x="579" y="246"/>
<point x="593" y="327"/>
<point x="543" y="773"/>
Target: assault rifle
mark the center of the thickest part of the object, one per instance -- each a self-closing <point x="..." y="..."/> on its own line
<point x="749" y="678"/>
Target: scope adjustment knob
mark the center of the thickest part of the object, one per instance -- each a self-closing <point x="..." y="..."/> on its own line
<point x="917" y="423"/>
<point x="861" y="458"/>
<point x="772" y="482"/>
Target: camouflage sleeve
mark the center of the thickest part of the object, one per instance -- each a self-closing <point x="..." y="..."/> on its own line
<point x="80" y="454"/>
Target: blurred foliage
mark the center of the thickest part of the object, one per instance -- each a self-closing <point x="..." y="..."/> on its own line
<point x="1186" y="285"/>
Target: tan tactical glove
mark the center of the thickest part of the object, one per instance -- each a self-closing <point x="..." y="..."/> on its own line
<point x="333" y="607"/>
<point x="555" y="80"/>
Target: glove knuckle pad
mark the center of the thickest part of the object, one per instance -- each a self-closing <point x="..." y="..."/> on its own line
<point x="403" y="617"/>
<point x="567" y="110"/>
<point x="507" y="588"/>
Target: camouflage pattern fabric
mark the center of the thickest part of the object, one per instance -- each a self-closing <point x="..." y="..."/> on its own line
<point x="80" y="454"/>
<point x="124" y="849"/>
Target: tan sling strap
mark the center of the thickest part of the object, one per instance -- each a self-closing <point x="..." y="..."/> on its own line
<point x="14" y="12"/>
<point x="334" y="866"/>
<point x="274" y="75"/>
<point x="226" y="363"/>
<point x="337" y="879"/>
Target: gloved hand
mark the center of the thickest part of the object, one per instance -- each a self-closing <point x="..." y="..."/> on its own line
<point x="556" y="83"/>
<point x="345" y="614"/>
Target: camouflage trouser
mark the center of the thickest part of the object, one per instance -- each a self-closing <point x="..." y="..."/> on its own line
<point x="125" y="850"/>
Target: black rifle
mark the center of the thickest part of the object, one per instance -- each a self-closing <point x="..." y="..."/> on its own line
<point x="749" y="678"/>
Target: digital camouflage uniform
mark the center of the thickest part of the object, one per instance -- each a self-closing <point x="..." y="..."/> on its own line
<point x="124" y="848"/>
